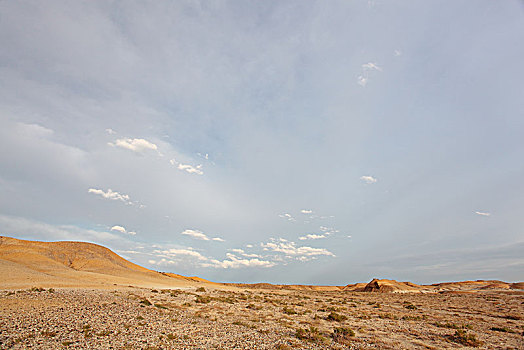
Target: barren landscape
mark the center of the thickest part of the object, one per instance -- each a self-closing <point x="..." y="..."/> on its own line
<point x="55" y="295"/>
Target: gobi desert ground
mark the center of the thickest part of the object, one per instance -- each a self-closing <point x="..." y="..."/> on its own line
<point x="79" y="295"/>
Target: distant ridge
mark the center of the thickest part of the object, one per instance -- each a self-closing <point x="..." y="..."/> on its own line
<point x="80" y="264"/>
<point x="391" y="286"/>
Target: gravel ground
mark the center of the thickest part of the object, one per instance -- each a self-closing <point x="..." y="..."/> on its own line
<point x="258" y="319"/>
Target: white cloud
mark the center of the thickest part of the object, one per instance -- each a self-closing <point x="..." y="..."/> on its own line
<point x="306" y="211"/>
<point x="371" y="66"/>
<point x="397" y="53"/>
<point x="175" y="252"/>
<point x="291" y="249"/>
<point x="311" y="236"/>
<point x="122" y="229"/>
<point x="119" y="229"/>
<point x="112" y="195"/>
<point x="205" y="156"/>
<point x="187" y="167"/>
<point x="177" y="256"/>
<point x="243" y="253"/>
<point x="249" y="245"/>
<point x="482" y="213"/>
<point x="110" y="131"/>
<point x="287" y="216"/>
<point x="135" y="145"/>
<point x="368" y="179"/>
<point x="362" y="81"/>
<point x="363" y="78"/>
<point x="328" y="230"/>
<point x="191" y="169"/>
<point x="235" y="263"/>
<point x="196" y="234"/>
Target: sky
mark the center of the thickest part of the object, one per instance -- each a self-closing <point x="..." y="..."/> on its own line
<point x="299" y="142"/>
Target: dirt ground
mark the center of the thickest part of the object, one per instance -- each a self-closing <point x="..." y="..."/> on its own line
<point x="138" y="318"/>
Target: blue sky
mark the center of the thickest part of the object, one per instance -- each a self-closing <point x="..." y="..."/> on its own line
<point x="279" y="141"/>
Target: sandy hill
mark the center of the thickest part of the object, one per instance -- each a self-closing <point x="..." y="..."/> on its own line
<point x="355" y="287"/>
<point x="30" y="263"/>
<point x="388" y="286"/>
<point x="476" y="285"/>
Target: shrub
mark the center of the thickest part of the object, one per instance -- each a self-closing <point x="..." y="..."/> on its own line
<point x="502" y="329"/>
<point x="451" y="325"/>
<point x="160" y="306"/>
<point x="202" y="299"/>
<point x="145" y="302"/>
<point x="311" y="334"/>
<point x="333" y="316"/>
<point x="462" y="337"/>
<point x="200" y="289"/>
<point x="342" y="335"/>
<point x="288" y="311"/>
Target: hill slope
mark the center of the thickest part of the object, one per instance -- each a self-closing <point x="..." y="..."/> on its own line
<point x="29" y="263"/>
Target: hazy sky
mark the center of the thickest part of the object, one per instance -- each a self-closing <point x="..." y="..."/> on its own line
<point x="319" y="142"/>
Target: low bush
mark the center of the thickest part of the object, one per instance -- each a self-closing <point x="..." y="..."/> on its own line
<point x="203" y="299"/>
<point x="464" y="338"/>
<point x="342" y="335"/>
<point x="333" y="316"/>
<point x="288" y="311"/>
<point x="502" y="329"/>
<point x="312" y="334"/>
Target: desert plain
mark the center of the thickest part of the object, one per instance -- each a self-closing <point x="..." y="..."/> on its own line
<point x="74" y="295"/>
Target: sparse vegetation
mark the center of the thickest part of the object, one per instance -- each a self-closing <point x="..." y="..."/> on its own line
<point x="203" y="299"/>
<point x="451" y="325"/>
<point x="464" y="338"/>
<point x="410" y="306"/>
<point x="343" y="335"/>
<point x="502" y="329"/>
<point x="312" y="334"/>
<point x="288" y="311"/>
<point x="306" y="317"/>
<point x="333" y="316"/>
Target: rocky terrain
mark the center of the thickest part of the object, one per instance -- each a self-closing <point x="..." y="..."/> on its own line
<point x="138" y="318"/>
